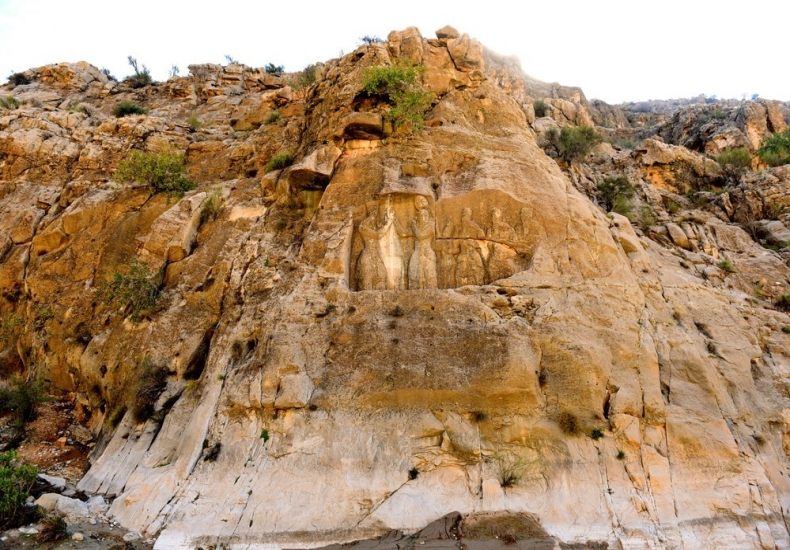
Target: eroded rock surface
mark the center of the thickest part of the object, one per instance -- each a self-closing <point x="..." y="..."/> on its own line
<point x="398" y="326"/>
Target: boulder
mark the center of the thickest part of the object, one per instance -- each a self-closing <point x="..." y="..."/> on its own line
<point x="315" y="170"/>
<point x="362" y="126"/>
<point x="467" y="54"/>
<point x="447" y="33"/>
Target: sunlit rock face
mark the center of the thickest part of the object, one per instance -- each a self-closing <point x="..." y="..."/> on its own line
<point x="399" y="325"/>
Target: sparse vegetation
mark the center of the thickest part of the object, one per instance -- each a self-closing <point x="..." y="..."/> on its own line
<point x="272" y="117"/>
<point x="541" y="108"/>
<point x="571" y="142"/>
<point x="620" y="454"/>
<point x="775" y="150"/>
<point x="568" y="423"/>
<point x="596" y="434"/>
<point x="276" y="70"/>
<point x="194" y="123"/>
<point x="211" y="207"/>
<point x="647" y="218"/>
<point x="141" y="77"/>
<point x="507" y="527"/>
<point x="21" y="398"/>
<point x="616" y="194"/>
<point x="786" y="329"/>
<point x="151" y="382"/>
<point x="510" y="469"/>
<point x="726" y="265"/>
<point x="126" y="108"/>
<point x="132" y="289"/>
<point x="782" y="303"/>
<point x="279" y="161"/>
<point x="106" y="72"/>
<point x="370" y="40"/>
<point x="163" y="172"/>
<point x="414" y="473"/>
<point x="18" y="79"/>
<point x="734" y="161"/>
<point x="16" y="480"/>
<point x="400" y="85"/>
<point x="304" y="78"/>
<point x="9" y="102"/>
<point x="53" y="529"/>
<point x="265" y="435"/>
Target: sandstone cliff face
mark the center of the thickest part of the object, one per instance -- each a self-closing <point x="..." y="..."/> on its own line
<point x="385" y="329"/>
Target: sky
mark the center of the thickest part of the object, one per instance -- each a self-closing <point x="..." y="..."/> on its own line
<point x="615" y="50"/>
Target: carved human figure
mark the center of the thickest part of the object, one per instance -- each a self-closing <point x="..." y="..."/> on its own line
<point x="469" y="229"/>
<point x="371" y="274"/>
<point x="469" y="268"/>
<point x="390" y="249"/>
<point x="448" y="249"/>
<point x="422" y="264"/>
<point x="530" y="231"/>
<point x="500" y="261"/>
<point x="500" y="230"/>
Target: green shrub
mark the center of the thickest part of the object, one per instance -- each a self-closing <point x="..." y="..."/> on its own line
<point x="211" y="207"/>
<point x="782" y="303"/>
<point x="620" y="454"/>
<point x="194" y="123"/>
<point x="775" y="150"/>
<point x="568" y="423"/>
<point x="272" y="117"/>
<point x="726" y="265"/>
<point x="370" y="40"/>
<point x="400" y="85"/>
<point x="271" y="68"/>
<point x="16" y="480"/>
<point x="616" y="194"/>
<point x="304" y="78"/>
<point x="279" y="161"/>
<point x="647" y="218"/>
<point x="18" y="79"/>
<point x="141" y="77"/>
<point x="265" y="435"/>
<point x="151" y="382"/>
<point x="734" y="161"/>
<point x="9" y="328"/>
<point x="541" y="108"/>
<point x="133" y="290"/>
<point x="21" y="398"/>
<point x="9" y="102"/>
<point x="596" y="434"/>
<point x="126" y="108"/>
<point x="163" y="172"/>
<point x="572" y="143"/>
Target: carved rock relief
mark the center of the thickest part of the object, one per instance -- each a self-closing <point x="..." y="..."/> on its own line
<point x="405" y="241"/>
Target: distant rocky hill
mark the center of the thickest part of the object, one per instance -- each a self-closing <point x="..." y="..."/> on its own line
<point x="351" y="327"/>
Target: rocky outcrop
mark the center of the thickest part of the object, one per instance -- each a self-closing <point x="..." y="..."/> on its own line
<point x="399" y="325"/>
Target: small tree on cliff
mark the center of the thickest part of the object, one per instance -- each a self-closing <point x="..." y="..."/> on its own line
<point x="572" y="143"/>
<point x="400" y="84"/>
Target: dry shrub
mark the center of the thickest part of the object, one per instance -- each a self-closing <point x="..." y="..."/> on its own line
<point x="568" y="423"/>
<point x="506" y="526"/>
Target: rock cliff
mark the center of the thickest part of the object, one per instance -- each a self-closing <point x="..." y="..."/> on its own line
<point x="401" y="325"/>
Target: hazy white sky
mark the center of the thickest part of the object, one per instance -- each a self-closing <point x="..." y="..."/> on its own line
<point x="616" y="50"/>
